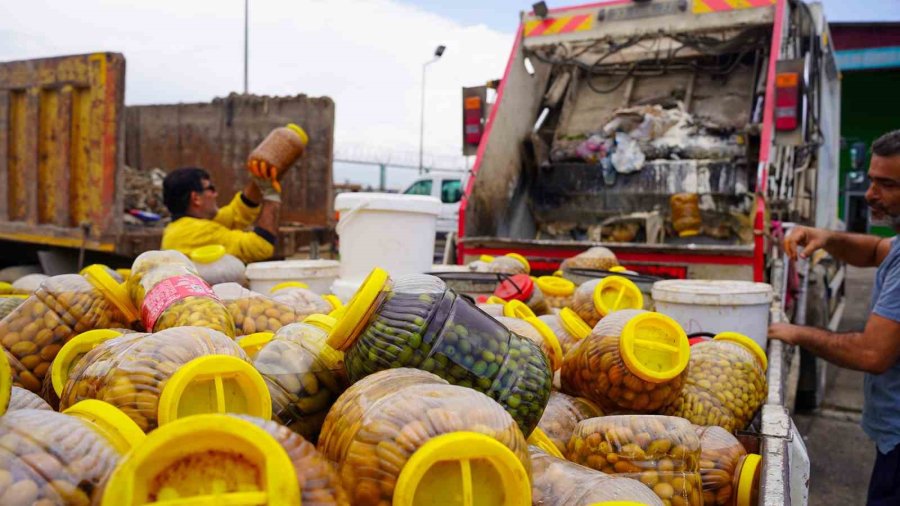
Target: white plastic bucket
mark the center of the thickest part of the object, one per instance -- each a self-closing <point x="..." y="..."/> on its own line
<point x="318" y="274"/>
<point x="393" y="232"/>
<point x="716" y="306"/>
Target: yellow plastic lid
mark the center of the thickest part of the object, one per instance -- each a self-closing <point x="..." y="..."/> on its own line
<point x="331" y="357"/>
<point x="654" y="347"/>
<point x="540" y="439"/>
<point x="205" y="460"/>
<point x="556" y="286"/>
<point x="558" y="273"/>
<point x="115" y="292"/>
<point x="125" y="273"/>
<point x="550" y="340"/>
<point x="214" y="384"/>
<point x="116" y="426"/>
<point x="517" y="309"/>
<point x="252" y="343"/>
<point x="300" y="133"/>
<point x="208" y="254"/>
<point x="474" y="466"/>
<point x="289" y="284"/>
<point x="574" y="324"/>
<point x="617" y="503"/>
<point x="321" y="321"/>
<point x="748" y="480"/>
<point x="355" y="315"/>
<point x="334" y="301"/>
<point x="72" y="351"/>
<point x="6" y="382"/>
<point x="5" y="287"/>
<point x="689" y="233"/>
<point x="617" y="268"/>
<point x="13" y="296"/>
<point x="493" y="299"/>
<point x="486" y="258"/>
<point x="613" y="293"/>
<point x="522" y="260"/>
<point x="746" y="342"/>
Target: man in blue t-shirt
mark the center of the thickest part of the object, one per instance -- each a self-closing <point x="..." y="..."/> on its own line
<point x="875" y="350"/>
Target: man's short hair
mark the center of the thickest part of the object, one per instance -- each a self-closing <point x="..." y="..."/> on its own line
<point x="887" y="145"/>
<point x="177" y="188"/>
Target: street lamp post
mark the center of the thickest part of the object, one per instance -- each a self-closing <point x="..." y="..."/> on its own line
<point x="438" y="52"/>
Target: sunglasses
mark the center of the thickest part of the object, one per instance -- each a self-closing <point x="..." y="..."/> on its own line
<point x="211" y="188"/>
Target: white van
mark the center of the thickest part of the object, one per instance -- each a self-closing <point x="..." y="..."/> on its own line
<point x="448" y="188"/>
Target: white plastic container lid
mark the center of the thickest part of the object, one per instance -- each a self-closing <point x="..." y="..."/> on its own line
<point x="292" y="269"/>
<point x="709" y="292"/>
<point x="387" y="202"/>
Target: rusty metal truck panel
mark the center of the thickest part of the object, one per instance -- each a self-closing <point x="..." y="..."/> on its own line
<point x="60" y="147"/>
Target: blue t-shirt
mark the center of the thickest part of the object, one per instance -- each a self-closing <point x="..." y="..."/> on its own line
<point x="881" y="414"/>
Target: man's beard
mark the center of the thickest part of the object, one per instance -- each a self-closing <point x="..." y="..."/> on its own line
<point x="879" y="212"/>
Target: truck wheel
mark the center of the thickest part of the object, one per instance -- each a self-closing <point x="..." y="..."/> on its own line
<point x="811" y="383"/>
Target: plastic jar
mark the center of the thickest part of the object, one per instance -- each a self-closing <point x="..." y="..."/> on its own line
<point x="253" y="312"/>
<point x="214" y="265"/>
<point x="303" y="300"/>
<point x="26" y="399"/>
<point x="569" y="328"/>
<point x="558" y="482"/>
<point x="281" y="148"/>
<point x="61" y="308"/>
<point x="304" y="375"/>
<point x="406" y="437"/>
<point x="686" y="214"/>
<point x="599" y="297"/>
<point x="558" y="292"/>
<point x="170" y="293"/>
<point x="729" y="474"/>
<point x="725" y="383"/>
<point x="633" y="360"/>
<point x="511" y="263"/>
<point x="662" y="452"/>
<point x="29" y="283"/>
<point x="539" y="333"/>
<point x="9" y="302"/>
<point x="521" y="287"/>
<point x="597" y="258"/>
<point x="416" y="321"/>
<point x="157" y="378"/>
<point x="562" y="414"/>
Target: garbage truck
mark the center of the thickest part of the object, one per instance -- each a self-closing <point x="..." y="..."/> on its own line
<point x="687" y="136"/>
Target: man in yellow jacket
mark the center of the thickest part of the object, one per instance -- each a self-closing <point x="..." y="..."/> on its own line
<point x="198" y="221"/>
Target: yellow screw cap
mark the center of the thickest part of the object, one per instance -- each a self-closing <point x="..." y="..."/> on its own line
<point x="116" y="426"/>
<point x="289" y="284"/>
<point x="321" y="321"/>
<point x="751" y="345"/>
<point x="6" y="382"/>
<point x="522" y="260"/>
<point x="354" y="317"/>
<point x="748" y="480"/>
<point x="300" y="133"/>
<point x="613" y="293"/>
<point x="493" y="299"/>
<point x="6" y="288"/>
<point x="232" y="461"/>
<point x="13" y="296"/>
<point x="617" y="268"/>
<point x="558" y="273"/>
<point x="115" y="292"/>
<point x="654" y="347"/>
<point x="551" y="343"/>
<point x="477" y="467"/>
<point x="486" y="258"/>
<point x="517" y="309"/>
<point x="252" y="343"/>
<point x="125" y="273"/>
<point x="540" y="439"/>
<point x="208" y="254"/>
<point x="214" y="384"/>
<point x="574" y="324"/>
<point x="71" y="353"/>
<point x="552" y="285"/>
<point x="334" y="301"/>
<point x="689" y="233"/>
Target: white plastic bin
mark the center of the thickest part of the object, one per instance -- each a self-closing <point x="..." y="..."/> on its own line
<point x="394" y="232"/>
<point x="716" y="306"/>
<point x="318" y="274"/>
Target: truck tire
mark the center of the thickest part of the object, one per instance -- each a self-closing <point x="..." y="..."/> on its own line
<point x="811" y="383"/>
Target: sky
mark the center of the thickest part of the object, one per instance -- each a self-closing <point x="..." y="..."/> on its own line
<point x="367" y="55"/>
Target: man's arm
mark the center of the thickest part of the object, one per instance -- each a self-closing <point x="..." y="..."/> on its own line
<point x="859" y="250"/>
<point x="874" y="350"/>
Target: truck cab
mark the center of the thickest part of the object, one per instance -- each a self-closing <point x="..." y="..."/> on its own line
<point x="446" y="187"/>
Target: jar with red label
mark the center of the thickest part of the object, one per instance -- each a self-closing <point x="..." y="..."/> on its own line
<point x="522" y="287"/>
<point x="170" y="293"/>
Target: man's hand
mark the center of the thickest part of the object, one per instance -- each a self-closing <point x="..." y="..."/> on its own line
<point x="804" y="241"/>
<point x="264" y="171"/>
<point x="268" y="189"/>
<point x="785" y="332"/>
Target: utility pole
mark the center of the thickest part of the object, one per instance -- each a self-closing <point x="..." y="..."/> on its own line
<point x="437" y="56"/>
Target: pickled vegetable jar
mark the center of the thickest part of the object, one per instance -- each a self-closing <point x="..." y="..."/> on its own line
<point x="596" y="258"/>
<point x="558" y="482"/>
<point x="725" y="383"/>
<point x="539" y="333"/>
<point x="686" y="214"/>
<point x="416" y="321"/>
<point x="729" y="474"/>
<point x="558" y="292"/>
<point x="61" y="308"/>
<point x="406" y="437"/>
<point x="304" y="375"/>
<point x="522" y="288"/>
<point x="156" y="378"/>
<point x="170" y="293"/>
<point x="599" y="297"/>
<point x="26" y="399"/>
<point x="662" y="452"/>
<point x="303" y="300"/>
<point x="562" y="414"/>
<point x="633" y="360"/>
<point x="215" y="265"/>
<point x="253" y="312"/>
<point x="511" y="263"/>
<point x="568" y="327"/>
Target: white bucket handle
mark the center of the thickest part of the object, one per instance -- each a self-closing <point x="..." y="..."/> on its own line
<point x="348" y="216"/>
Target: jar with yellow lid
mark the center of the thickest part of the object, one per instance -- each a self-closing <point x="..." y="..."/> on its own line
<point x="511" y="263"/>
<point x="562" y="414"/>
<point x="686" y="219"/>
<point x="662" y="452"/>
<point x="170" y="293"/>
<point x="599" y="297"/>
<point x="157" y="378"/>
<point x="416" y="321"/>
<point x="596" y="258"/>
<point x="634" y="360"/>
<point x="253" y="312"/>
<point x="214" y="265"/>
<point x="725" y="383"/>
<point x="279" y="150"/>
<point x="568" y="327"/>
<point x="539" y="333"/>
<point x="522" y="287"/>
<point x="304" y="375"/>
<point x="558" y="292"/>
<point x="407" y="437"/>
<point x="61" y="308"/>
<point x="729" y="474"/>
<point x="55" y="458"/>
<point x="304" y="301"/>
<point x="558" y="482"/>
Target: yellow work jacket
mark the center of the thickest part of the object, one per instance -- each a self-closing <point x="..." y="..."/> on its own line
<point x="228" y="228"/>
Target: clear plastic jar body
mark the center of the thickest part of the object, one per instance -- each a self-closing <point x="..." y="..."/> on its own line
<point x="253" y="312"/>
<point x="303" y="301"/>
<point x="597" y="258"/>
<point x="562" y="414"/>
<point x="721" y="456"/>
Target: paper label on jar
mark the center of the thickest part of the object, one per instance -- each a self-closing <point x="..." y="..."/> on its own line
<point x="170" y="291"/>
